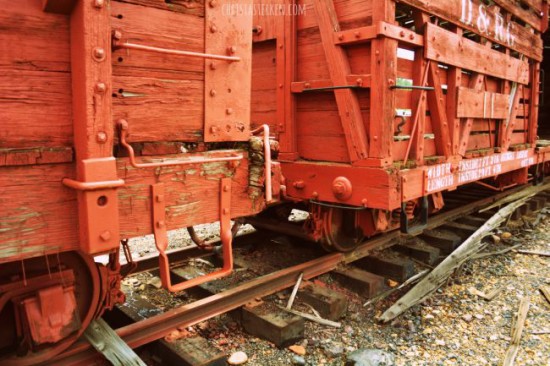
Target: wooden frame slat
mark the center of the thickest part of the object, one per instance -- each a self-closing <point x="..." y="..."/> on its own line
<point x="449" y="48"/>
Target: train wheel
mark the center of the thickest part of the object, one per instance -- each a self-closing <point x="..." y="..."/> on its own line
<point x="340" y="231"/>
<point x="25" y="287"/>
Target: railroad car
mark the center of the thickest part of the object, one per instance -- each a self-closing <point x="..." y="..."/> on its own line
<point x="118" y="119"/>
<point x="122" y="118"/>
<point x="381" y="106"/>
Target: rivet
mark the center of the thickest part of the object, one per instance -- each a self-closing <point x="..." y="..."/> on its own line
<point x="106" y="235"/>
<point x="212" y="3"/>
<point x="299" y="184"/>
<point x="214" y="129"/>
<point x="364" y="202"/>
<point x="340" y="37"/>
<point x="231" y="50"/>
<point x="402" y="33"/>
<point x="117" y="35"/>
<point x="225" y="211"/>
<point x="315" y="195"/>
<point x="101" y="137"/>
<point x="226" y="188"/>
<point x="229" y="111"/>
<point x="160" y="224"/>
<point x="99" y="3"/>
<point x="99" y="53"/>
<point x="160" y="198"/>
<point x="411" y="36"/>
<point x="212" y="66"/>
<point x="375" y="138"/>
<point x="213" y="29"/>
<point x="357" y="34"/>
<point x="212" y="93"/>
<point x="100" y="87"/>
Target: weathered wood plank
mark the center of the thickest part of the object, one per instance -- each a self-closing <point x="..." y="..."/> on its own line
<point x="38" y="213"/>
<point x="36" y="109"/>
<point x="348" y="106"/>
<point x="523" y="41"/>
<point x="449" y="48"/>
<point x="175" y="106"/>
<point x="480" y="104"/>
<point x="31" y="156"/>
<point x="160" y="28"/>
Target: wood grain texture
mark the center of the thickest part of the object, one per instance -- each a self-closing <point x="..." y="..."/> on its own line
<point x="39" y="214"/>
<point x="525" y="41"/>
<point x="449" y="48"/>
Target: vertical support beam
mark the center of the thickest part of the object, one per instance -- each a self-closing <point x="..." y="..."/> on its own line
<point x="534" y="101"/>
<point x="454" y="81"/>
<point x="93" y="125"/>
<point x="382" y="98"/>
<point x="438" y="115"/>
<point x="384" y="75"/>
<point x="338" y="65"/>
<point x="418" y="98"/>
<point x="510" y="123"/>
<point x="288" y="135"/>
<point x="476" y="83"/>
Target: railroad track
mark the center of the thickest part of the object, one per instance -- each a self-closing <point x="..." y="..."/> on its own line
<point x="444" y="232"/>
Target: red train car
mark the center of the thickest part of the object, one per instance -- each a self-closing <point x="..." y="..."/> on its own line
<point x="122" y="118"/>
<point x="118" y="119"/>
<point x="380" y="106"/>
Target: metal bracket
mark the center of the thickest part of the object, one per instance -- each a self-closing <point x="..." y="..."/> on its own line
<point x="405" y="228"/>
<point x="161" y="238"/>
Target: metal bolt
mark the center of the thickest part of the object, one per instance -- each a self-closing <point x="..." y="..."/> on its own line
<point x="402" y="33"/>
<point x="99" y="53"/>
<point x="299" y="184"/>
<point x="106" y="235"/>
<point x="100" y="87"/>
<point x="212" y="93"/>
<point x="229" y="111"/>
<point x="117" y="35"/>
<point x="411" y="36"/>
<point x="99" y="3"/>
<point x="101" y="137"/>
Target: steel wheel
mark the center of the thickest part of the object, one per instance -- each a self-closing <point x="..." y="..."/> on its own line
<point x="340" y="232"/>
<point x="13" y="350"/>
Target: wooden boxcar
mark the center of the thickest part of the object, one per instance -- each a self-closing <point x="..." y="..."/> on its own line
<point x="118" y="119"/>
<point x="383" y="105"/>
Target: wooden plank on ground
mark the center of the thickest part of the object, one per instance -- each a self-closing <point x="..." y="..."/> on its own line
<point x="429" y="284"/>
<point x="105" y="340"/>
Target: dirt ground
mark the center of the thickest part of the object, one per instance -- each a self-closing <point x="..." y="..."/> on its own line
<point x="454" y="327"/>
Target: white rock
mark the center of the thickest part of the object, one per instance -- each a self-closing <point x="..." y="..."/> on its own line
<point x="237" y="358"/>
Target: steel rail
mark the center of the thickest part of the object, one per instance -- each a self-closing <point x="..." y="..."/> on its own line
<point x="154" y="328"/>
